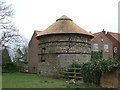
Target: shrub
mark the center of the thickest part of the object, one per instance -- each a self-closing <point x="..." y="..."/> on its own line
<point x="96" y="55"/>
<point x="92" y="70"/>
<point x="9" y="67"/>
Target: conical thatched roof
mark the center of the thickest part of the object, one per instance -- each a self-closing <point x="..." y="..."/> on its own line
<point x="64" y="25"/>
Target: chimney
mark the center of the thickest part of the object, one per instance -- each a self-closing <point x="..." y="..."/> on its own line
<point x="89" y="31"/>
<point x="104" y="31"/>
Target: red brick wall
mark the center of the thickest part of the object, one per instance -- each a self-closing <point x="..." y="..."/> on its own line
<point x="115" y="44"/>
<point x="101" y="43"/>
<point x="110" y="79"/>
<point x="33" y="54"/>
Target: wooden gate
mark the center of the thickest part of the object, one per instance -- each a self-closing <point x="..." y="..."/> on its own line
<point x="72" y="73"/>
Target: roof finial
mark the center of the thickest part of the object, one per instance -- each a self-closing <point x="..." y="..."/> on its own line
<point x="64" y="17"/>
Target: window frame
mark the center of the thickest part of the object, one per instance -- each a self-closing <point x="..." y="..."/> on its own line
<point x="106" y="49"/>
<point x="43" y="54"/>
<point x="95" y="47"/>
<point x="115" y="49"/>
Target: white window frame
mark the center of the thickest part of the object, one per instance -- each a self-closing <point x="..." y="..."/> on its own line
<point x="106" y="48"/>
<point x="115" y="49"/>
<point x="95" y="47"/>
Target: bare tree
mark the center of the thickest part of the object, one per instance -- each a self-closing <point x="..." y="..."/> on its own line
<point x="9" y="33"/>
<point x="10" y="37"/>
<point x="5" y="14"/>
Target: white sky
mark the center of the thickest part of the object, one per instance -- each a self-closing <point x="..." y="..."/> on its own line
<point x="92" y="15"/>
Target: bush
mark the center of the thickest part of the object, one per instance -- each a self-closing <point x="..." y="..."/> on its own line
<point x="9" y="67"/>
<point x="92" y="70"/>
<point x="96" y="55"/>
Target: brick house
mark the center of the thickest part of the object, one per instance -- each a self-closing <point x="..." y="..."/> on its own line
<point x="115" y="39"/>
<point x="33" y="53"/>
<point x="102" y="42"/>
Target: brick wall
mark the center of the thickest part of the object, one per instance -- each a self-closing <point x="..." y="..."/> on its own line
<point x="33" y="54"/>
<point x="111" y="79"/>
<point x="115" y="44"/>
<point x="101" y="40"/>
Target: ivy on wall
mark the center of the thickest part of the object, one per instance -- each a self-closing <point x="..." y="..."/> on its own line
<point x="96" y="55"/>
<point x="92" y="70"/>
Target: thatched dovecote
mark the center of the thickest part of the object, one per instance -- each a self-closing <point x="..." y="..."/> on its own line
<point x="64" y="25"/>
<point x="62" y="44"/>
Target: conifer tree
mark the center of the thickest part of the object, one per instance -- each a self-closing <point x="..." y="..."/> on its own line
<point x="5" y="56"/>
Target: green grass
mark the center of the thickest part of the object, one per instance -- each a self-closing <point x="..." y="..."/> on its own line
<point x="23" y="80"/>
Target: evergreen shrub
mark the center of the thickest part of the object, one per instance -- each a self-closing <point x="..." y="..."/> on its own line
<point x="92" y="70"/>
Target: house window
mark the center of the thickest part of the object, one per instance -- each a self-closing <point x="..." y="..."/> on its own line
<point x="43" y="55"/>
<point x="95" y="47"/>
<point x="115" y="49"/>
<point x="106" y="48"/>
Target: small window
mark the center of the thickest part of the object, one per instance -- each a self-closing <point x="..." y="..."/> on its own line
<point x="43" y="58"/>
<point x="43" y="55"/>
<point x="106" y="48"/>
<point x="43" y="50"/>
<point x="95" y="47"/>
<point x="115" y="49"/>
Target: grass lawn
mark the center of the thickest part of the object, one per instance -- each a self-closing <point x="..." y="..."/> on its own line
<point x="24" y="80"/>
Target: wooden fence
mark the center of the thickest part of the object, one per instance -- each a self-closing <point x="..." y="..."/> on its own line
<point x="72" y="73"/>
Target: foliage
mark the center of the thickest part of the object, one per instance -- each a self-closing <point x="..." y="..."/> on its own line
<point x="21" y="66"/>
<point x="6" y="60"/>
<point x="92" y="70"/>
<point x="10" y="68"/>
<point x="25" y="54"/>
<point x="18" y="55"/>
<point x="7" y="64"/>
<point x="96" y="55"/>
<point x="21" y="54"/>
<point x="21" y="60"/>
<point x="9" y="34"/>
<point x="5" y="56"/>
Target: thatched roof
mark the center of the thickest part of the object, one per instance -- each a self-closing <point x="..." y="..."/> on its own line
<point x="64" y="25"/>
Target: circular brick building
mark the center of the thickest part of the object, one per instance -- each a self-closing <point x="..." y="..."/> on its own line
<point x="62" y="44"/>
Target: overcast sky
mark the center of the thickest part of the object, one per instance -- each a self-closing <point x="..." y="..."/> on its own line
<point x="92" y="15"/>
